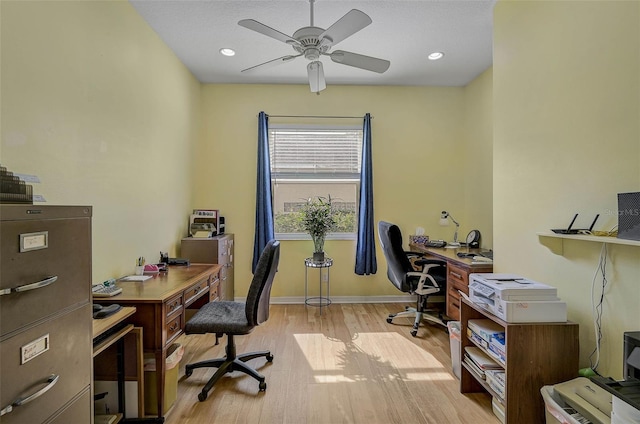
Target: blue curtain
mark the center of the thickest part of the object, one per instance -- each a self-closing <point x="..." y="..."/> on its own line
<point x="366" y="248"/>
<point x="264" y="231"/>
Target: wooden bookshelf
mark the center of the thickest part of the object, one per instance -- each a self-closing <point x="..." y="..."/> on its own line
<point x="537" y="354"/>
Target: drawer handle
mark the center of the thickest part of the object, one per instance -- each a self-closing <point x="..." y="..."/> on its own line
<point x="174" y="327"/>
<point x="32" y="286"/>
<point x="51" y="381"/>
<point x="455" y="275"/>
<point x="196" y="290"/>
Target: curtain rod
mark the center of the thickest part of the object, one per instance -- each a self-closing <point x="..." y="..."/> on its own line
<point x="316" y="116"/>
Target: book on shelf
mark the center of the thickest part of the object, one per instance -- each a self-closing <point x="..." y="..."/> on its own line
<point x="481" y="359"/>
<point x="474" y="368"/>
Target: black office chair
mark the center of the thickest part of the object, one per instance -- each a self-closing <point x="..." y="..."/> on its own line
<point x="236" y="318"/>
<point x="431" y="280"/>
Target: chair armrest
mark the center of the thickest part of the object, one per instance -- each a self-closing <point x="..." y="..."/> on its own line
<point x="426" y="285"/>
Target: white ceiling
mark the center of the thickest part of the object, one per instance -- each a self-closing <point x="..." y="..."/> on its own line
<point x="403" y="32"/>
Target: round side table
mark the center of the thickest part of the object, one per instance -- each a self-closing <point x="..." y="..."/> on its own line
<point x="321" y="300"/>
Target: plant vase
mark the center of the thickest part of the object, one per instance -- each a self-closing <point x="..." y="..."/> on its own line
<point x="318" y="219"/>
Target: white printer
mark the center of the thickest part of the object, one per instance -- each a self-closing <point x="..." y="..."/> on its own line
<point x="516" y="299"/>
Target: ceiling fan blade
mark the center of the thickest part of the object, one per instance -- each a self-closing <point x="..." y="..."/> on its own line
<point x="345" y="27"/>
<point x="272" y="63"/>
<point x="360" y="61"/>
<point x="316" y="76"/>
<point x="268" y="31"/>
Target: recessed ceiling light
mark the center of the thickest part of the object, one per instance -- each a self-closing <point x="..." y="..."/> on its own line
<point x="436" y="55"/>
<point x="227" y="52"/>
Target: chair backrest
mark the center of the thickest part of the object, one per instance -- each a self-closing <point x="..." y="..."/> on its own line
<point x="398" y="263"/>
<point x="259" y="296"/>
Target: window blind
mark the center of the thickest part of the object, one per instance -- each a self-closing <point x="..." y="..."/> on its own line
<point x="305" y="153"/>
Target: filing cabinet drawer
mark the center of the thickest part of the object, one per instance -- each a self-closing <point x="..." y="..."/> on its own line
<point x="173" y="306"/>
<point x="51" y="273"/>
<point x="68" y="357"/>
<point x="195" y="291"/>
<point x="78" y="412"/>
<point x="173" y="328"/>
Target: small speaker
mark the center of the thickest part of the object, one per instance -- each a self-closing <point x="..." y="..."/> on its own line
<point x="221" y="225"/>
<point x="629" y="216"/>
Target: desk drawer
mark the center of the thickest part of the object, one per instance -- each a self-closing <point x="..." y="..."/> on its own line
<point x="214" y="289"/>
<point x="453" y="303"/>
<point x="68" y="357"/>
<point x="457" y="278"/>
<point x="195" y="291"/>
<point x="173" y="329"/>
<point x="173" y="306"/>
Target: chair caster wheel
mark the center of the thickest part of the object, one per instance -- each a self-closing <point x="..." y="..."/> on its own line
<point x="414" y="333"/>
<point x="262" y="386"/>
<point x="188" y="372"/>
<point x="389" y="319"/>
<point x="202" y="396"/>
<point x="269" y="358"/>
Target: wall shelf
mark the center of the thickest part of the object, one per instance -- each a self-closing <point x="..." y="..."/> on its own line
<point x="558" y="247"/>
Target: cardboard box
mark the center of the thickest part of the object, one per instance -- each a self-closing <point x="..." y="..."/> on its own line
<point x="485" y="328"/>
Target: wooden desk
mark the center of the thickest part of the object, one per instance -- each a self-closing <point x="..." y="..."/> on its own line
<point x="161" y="303"/>
<point x="458" y="270"/>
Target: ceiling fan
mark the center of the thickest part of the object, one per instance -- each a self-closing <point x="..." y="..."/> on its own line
<point x="313" y="42"/>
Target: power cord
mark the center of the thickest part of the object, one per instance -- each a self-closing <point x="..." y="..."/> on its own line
<point x="596" y="308"/>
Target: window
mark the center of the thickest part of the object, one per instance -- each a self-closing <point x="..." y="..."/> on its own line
<point x="314" y="161"/>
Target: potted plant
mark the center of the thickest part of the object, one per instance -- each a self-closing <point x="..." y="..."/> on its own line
<point x="318" y="219"/>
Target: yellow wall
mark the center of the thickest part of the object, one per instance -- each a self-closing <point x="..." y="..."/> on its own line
<point x="477" y="163"/>
<point x="567" y="140"/>
<point x="418" y="162"/>
<point x="97" y="107"/>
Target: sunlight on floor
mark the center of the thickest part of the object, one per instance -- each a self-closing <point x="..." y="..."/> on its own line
<point x="369" y="356"/>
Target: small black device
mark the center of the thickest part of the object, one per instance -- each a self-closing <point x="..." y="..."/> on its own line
<point x="568" y="230"/>
<point x="571" y="230"/>
<point x="629" y="216"/>
<point x="473" y="239"/>
<point x="435" y="243"/>
<point x="100" y="311"/>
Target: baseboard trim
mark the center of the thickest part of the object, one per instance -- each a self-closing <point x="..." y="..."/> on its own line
<point x="298" y="300"/>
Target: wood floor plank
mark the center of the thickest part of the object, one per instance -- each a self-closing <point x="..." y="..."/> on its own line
<point x="347" y="365"/>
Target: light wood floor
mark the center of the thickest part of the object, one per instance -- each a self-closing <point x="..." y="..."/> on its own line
<point x="346" y="366"/>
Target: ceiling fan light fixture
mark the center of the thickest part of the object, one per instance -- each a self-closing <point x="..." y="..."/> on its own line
<point x="313" y="42"/>
<point x="435" y="55"/>
<point x="227" y="52"/>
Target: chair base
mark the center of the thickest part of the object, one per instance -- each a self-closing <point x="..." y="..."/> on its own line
<point x="419" y="316"/>
<point x="228" y="364"/>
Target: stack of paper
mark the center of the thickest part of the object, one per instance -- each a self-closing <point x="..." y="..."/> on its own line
<point x="496" y="381"/>
<point x="479" y="361"/>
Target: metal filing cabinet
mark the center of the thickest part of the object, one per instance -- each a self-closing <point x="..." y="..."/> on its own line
<point x="213" y="250"/>
<point x="45" y="314"/>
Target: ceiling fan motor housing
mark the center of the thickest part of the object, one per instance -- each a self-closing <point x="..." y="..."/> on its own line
<point x="310" y="44"/>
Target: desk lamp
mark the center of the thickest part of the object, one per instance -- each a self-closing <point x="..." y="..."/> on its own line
<point x="444" y="221"/>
